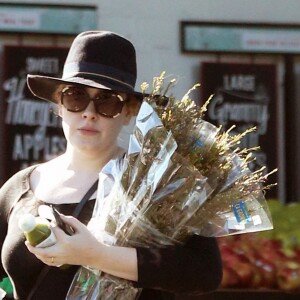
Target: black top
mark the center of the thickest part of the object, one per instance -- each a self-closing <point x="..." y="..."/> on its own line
<point x="193" y="268"/>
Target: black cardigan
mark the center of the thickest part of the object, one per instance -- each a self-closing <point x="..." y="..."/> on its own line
<point x="193" y="268"/>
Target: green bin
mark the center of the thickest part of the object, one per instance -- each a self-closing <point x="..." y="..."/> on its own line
<point x="6" y="285"/>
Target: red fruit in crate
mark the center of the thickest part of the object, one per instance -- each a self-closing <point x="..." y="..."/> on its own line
<point x="297" y="253"/>
<point x="288" y="276"/>
<point x="249" y="240"/>
<point x="244" y="248"/>
<point x="271" y="244"/>
<point x="266" y="270"/>
<point x="230" y="279"/>
<point x="245" y="273"/>
<point x="226" y="240"/>
<point x="258" y="279"/>
<point x="230" y="257"/>
<point x="271" y="250"/>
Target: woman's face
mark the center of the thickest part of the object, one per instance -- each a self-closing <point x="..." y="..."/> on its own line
<point x="91" y="132"/>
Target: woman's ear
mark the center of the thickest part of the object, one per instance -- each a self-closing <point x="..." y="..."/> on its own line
<point x="128" y="115"/>
<point x="132" y="108"/>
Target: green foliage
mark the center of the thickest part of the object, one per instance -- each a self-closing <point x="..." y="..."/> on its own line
<point x="286" y="221"/>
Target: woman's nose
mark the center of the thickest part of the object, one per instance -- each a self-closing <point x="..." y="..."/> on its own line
<point x="90" y="111"/>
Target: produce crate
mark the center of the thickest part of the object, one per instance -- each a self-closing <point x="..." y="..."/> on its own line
<point x="244" y="294"/>
<point x="263" y="265"/>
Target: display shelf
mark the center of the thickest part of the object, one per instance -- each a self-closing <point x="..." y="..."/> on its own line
<point x="244" y="294"/>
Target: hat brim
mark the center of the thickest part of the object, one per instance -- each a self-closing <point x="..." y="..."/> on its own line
<point x="47" y="88"/>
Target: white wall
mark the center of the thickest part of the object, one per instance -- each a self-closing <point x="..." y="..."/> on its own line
<point x="153" y="26"/>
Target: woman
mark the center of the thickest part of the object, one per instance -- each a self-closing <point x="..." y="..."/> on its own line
<point x="95" y="99"/>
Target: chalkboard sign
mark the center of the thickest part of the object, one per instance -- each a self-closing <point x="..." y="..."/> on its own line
<point x="245" y="96"/>
<point x="32" y="131"/>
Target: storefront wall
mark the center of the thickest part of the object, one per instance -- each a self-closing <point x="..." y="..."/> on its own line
<point x="154" y="28"/>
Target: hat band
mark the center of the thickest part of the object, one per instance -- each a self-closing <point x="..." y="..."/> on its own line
<point x="98" y="70"/>
<point x="97" y="75"/>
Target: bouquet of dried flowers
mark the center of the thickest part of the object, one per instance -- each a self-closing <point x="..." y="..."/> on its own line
<point x="181" y="176"/>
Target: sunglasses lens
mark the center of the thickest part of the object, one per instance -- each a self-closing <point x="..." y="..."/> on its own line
<point x="108" y="104"/>
<point x="75" y="99"/>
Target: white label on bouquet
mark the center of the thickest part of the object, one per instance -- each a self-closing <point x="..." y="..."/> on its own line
<point x="49" y="241"/>
<point x="256" y="220"/>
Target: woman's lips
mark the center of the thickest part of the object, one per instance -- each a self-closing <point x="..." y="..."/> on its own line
<point x="88" y="130"/>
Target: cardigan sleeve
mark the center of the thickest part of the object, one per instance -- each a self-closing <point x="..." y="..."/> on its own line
<point x="193" y="268"/>
<point x="6" y="194"/>
<point x="4" y="209"/>
<point x="10" y="192"/>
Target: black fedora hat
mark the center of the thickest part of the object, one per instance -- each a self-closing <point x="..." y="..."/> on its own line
<point x="100" y="59"/>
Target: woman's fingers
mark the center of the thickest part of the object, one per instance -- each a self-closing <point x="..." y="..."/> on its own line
<point x="50" y="256"/>
<point x="68" y="224"/>
<point x="42" y="254"/>
<point x="72" y="222"/>
<point x="68" y="249"/>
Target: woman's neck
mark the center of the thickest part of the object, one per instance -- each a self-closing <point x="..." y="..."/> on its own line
<point x="68" y="176"/>
<point x="89" y="162"/>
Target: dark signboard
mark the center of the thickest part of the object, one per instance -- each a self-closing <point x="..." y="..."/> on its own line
<point x="32" y="131"/>
<point x="245" y="96"/>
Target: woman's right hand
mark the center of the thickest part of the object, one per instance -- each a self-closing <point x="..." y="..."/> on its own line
<point x="82" y="248"/>
<point x="74" y="250"/>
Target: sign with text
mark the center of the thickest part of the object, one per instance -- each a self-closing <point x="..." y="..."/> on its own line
<point x="54" y="19"/>
<point x="245" y="96"/>
<point x="32" y="131"/>
<point x="239" y="38"/>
